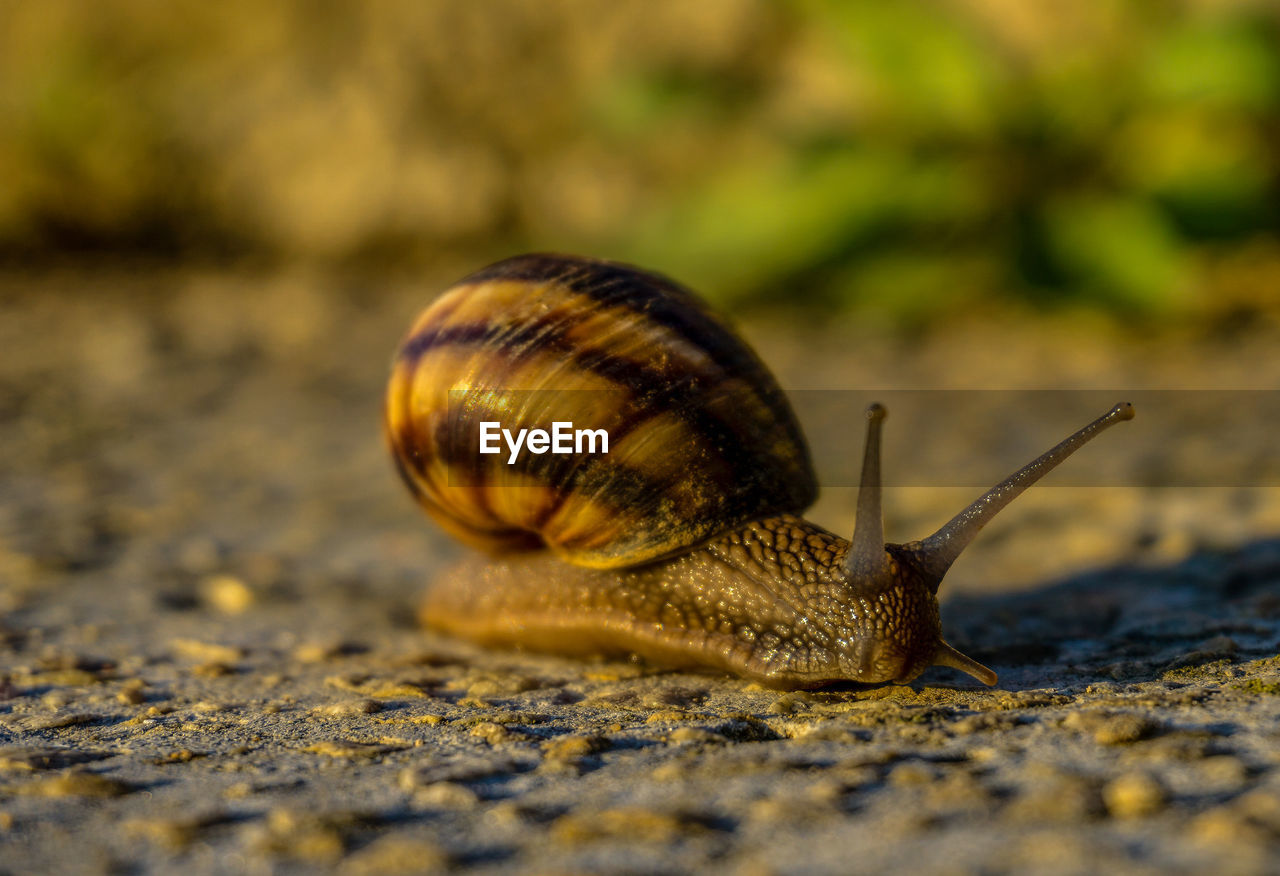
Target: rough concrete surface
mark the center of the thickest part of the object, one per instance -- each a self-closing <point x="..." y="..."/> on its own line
<point x="208" y="661"/>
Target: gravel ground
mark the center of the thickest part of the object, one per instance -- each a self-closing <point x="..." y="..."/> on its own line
<point x="208" y="659"/>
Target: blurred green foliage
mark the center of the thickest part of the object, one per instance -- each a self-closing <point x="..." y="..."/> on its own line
<point x="911" y="159"/>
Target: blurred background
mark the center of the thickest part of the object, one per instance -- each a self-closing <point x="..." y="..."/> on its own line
<point x="909" y="161"/>
<point x="217" y="219"/>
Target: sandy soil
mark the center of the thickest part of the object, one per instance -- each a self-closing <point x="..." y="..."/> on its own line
<point x="208" y="659"/>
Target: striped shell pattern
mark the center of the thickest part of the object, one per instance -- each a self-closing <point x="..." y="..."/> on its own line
<point x="701" y="438"/>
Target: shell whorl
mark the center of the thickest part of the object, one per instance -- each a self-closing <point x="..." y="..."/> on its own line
<point x="702" y="439"/>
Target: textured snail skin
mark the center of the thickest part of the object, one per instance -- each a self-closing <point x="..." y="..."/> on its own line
<point x="770" y="602"/>
<point x="682" y="544"/>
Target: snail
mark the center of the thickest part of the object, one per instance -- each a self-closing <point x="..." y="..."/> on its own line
<point x="683" y="542"/>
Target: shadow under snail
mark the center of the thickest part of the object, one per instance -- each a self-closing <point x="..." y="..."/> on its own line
<point x="682" y="543"/>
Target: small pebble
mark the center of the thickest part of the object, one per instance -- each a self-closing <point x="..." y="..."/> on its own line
<point x="1222" y="772"/>
<point x="194" y="649"/>
<point x="313" y="838"/>
<point x="958" y="792"/>
<point x="182" y="755"/>
<point x="79" y="784"/>
<point x="494" y="734"/>
<point x="1262" y="806"/>
<point x="171" y="833"/>
<point x="342" y="710"/>
<point x="1133" y="796"/>
<point x="500" y="686"/>
<point x="396" y="856"/>
<point x="213" y="669"/>
<point x="1124" y="729"/>
<point x="1111" y="729"/>
<point x="789" y="704"/>
<point x="57" y="699"/>
<point x="318" y="652"/>
<point x="24" y="723"/>
<point x="911" y="774"/>
<point x="629" y="823"/>
<point x="1222" y="827"/>
<point x="238" y="791"/>
<point x="693" y="735"/>
<point x="226" y="594"/>
<point x="446" y="795"/>
<point x="574" y="746"/>
<point x="1218" y="645"/>
<point x="131" y="694"/>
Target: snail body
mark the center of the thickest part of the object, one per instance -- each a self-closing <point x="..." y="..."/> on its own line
<point x="683" y="543"/>
<point x="766" y="601"/>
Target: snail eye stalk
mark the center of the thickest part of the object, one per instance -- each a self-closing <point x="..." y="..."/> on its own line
<point x="867" y="559"/>
<point x="935" y="554"/>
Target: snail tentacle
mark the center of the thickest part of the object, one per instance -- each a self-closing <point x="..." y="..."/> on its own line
<point x="935" y="554"/>
<point x="948" y="656"/>
<point x="867" y="557"/>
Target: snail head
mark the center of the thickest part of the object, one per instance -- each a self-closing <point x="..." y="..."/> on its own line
<point x="905" y="578"/>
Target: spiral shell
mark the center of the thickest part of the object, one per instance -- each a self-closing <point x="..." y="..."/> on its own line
<point x="701" y="438"/>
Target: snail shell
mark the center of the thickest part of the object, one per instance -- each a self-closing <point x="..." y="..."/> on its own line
<point x="681" y="543"/>
<point x="701" y="439"/>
